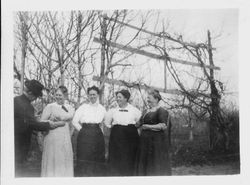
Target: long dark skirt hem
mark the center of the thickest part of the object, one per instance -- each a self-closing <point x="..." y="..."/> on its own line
<point x="90" y="151"/>
<point x="153" y="157"/>
<point x="123" y="146"/>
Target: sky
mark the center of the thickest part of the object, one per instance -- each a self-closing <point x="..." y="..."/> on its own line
<point x="193" y="24"/>
<point x="223" y="25"/>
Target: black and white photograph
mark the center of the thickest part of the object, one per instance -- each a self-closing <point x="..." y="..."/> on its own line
<point x="118" y="93"/>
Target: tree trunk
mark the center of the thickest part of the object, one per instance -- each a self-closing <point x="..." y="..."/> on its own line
<point x="62" y="77"/>
<point x="217" y="136"/>
<point x="79" y="87"/>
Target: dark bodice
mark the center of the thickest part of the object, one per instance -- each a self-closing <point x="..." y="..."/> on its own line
<point x="153" y="118"/>
<point x="161" y="115"/>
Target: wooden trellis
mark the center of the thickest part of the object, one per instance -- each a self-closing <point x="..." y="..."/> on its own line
<point x="148" y="54"/>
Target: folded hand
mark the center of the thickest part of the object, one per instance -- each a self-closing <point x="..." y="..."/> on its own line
<point x="54" y="118"/>
<point x="55" y="124"/>
<point x="145" y="127"/>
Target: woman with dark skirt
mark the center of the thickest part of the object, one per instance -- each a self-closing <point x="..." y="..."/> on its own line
<point x="90" y="140"/>
<point x="153" y="154"/>
<point x="124" y="138"/>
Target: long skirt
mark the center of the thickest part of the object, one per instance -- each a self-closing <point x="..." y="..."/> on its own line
<point x="123" y="145"/>
<point x="153" y="155"/>
<point x="22" y="143"/>
<point x="57" y="157"/>
<point x="90" y="151"/>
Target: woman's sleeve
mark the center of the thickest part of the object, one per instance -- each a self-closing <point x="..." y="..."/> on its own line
<point x="71" y="112"/>
<point x="137" y="114"/>
<point x="108" y="118"/>
<point x="104" y="112"/>
<point x="46" y="113"/>
<point x="76" y="119"/>
<point x="163" y="116"/>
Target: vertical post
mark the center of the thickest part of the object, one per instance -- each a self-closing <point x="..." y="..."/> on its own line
<point x="24" y="41"/>
<point x="190" y="124"/>
<point x="165" y="64"/>
<point x="102" y="70"/>
<point x="215" y="98"/>
<point x="210" y="54"/>
<point x="80" y="75"/>
<point x="165" y="76"/>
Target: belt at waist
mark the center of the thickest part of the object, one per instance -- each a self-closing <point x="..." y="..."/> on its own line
<point x="129" y="125"/>
<point x="90" y="124"/>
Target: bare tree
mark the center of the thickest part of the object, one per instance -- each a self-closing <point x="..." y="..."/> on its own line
<point x="84" y="28"/>
<point x="111" y="31"/>
<point x="197" y="98"/>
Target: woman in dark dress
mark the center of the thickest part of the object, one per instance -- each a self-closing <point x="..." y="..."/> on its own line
<point x="124" y="138"/>
<point x="153" y="155"/>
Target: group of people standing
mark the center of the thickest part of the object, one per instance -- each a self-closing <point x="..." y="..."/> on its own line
<point x="138" y="143"/>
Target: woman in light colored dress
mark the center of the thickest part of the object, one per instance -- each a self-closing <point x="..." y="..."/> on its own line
<point x="57" y="157"/>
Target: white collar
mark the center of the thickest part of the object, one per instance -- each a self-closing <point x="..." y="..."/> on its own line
<point x="128" y="105"/>
<point x="94" y="104"/>
<point x="153" y="109"/>
<point x="60" y="104"/>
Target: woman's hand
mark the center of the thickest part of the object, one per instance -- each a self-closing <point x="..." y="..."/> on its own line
<point x="60" y="123"/>
<point x="149" y="127"/>
<point x="157" y="127"/>
<point x="163" y="126"/>
<point x="54" y="118"/>
<point x="146" y="127"/>
<point x="55" y="124"/>
<point x="65" y="118"/>
<point x="138" y="124"/>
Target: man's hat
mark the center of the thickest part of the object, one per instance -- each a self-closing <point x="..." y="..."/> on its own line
<point x="35" y="87"/>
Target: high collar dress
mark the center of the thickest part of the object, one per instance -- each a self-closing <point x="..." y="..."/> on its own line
<point x="153" y="154"/>
<point x="57" y="157"/>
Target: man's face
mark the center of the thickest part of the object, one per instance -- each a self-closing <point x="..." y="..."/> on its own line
<point x="32" y="97"/>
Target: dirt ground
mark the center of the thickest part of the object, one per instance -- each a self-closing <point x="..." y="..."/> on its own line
<point x="220" y="169"/>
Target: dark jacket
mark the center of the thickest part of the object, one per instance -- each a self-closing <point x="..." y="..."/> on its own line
<point x="24" y="123"/>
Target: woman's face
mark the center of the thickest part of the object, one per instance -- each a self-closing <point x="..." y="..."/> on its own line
<point x="121" y="100"/>
<point x="93" y="95"/>
<point x="152" y="102"/>
<point x="60" y="98"/>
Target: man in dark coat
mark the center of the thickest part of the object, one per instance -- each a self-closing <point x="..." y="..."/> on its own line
<point x="25" y="123"/>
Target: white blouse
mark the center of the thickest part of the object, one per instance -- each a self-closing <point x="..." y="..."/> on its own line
<point x="55" y="111"/>
<point x="88" y="113"/>
<point x="122" y="116"/>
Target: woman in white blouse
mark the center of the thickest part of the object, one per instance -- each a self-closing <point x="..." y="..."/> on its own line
<point x="124" y="138"/>
<point x="57" y="157"/>
<point x="90" y="140"/>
